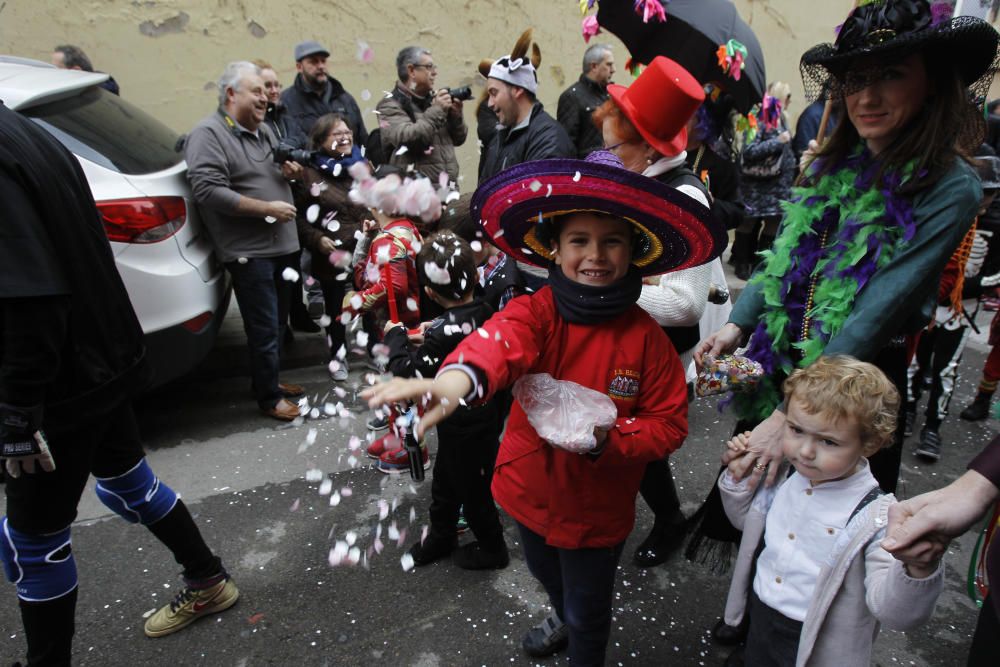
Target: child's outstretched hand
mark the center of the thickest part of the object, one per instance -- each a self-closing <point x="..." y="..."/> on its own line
<point x="438" y="397"/>
<point x="737" y="446"/>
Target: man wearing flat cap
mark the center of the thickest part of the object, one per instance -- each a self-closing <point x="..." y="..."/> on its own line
<point x="315" y="93"/>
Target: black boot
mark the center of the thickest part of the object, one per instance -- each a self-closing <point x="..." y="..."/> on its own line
<point x="663" y="540"/>
<point x="731" y="635"/>
<point x="744" y="247"/>
<point x="979" y="409"/>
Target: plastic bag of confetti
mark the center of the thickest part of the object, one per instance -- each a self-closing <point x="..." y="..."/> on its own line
<point x="728" y="372"/>
<point x="564" y="413"/>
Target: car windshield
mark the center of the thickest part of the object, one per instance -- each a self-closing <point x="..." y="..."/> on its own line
<point x="105" y="129"/>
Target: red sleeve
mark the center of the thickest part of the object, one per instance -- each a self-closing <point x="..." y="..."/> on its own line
<point x="506" y="346"/>
<point x="659" y="424"/>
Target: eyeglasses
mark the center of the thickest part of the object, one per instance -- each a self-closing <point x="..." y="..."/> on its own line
<point x="428" y="66"/>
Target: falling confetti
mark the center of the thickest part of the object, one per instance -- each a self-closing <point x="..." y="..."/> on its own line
<point x="312" y="213"/>
<point x="325" y="487"/>
<point x="314" y="475"/>
<point x="535" y="186"/>
<point x="364" y="53"/>
<point x="436" y="274"/>
<point x="324" y="321"/>
<point x="242" y="260"/>
<point x="407" y="562"/>
<point x="402" y="150"/>
<point x="576" y="177"/>
<point x="366" y="94"/>
<point x="290" y="274"/>
<point x="411" y="305"/>
<point x="270" y="219"/>
<point x="334" y="499"/>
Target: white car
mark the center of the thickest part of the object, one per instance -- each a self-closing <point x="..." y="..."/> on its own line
<point x="136" y="170"/>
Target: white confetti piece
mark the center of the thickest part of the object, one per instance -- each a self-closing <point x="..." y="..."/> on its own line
<point x="334" y="499"/>
<point x="149" y="613"/>
<point x="351" y="537"/>
<point x="314" y="413"/>
<point x="295" y="506"/>
<point x="483" y="332"/>
<point x="325" y="487"/>
<point x="242" y="260"/>
<point x="354" y="444"/>
<point x="476" y="246"/>
<point x="356" y="302"/>
<point x="411" y="305"/>
<point x="347" y="492"/>
<point x="549" y="191"/>
<point x="314" y="475"/>
<point x="324" y="321"/>
<point x="413" y="514"/>
<point x="315" y="189"/>
<point x="338" y="553"/>
<point x="270" y="219"/>
<point x="535" y="185"/>
<point x="383" y="510"/>
<point x="312" y="213"/>
<point x="366" y="94"/>
<point x="361" y="338"/>
<point x="436" y="274"/>
<point x="290" y="274"/>
<point x="407" y="562"/>
<point x="402" y="150"/>
<point x="337" y="168"/>
<point x="576" y="177"/>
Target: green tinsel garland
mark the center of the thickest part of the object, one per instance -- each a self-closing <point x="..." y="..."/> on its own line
<point x="835" y="290"/>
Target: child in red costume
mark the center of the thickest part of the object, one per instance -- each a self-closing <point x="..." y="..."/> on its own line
<point x="599" y="229"/>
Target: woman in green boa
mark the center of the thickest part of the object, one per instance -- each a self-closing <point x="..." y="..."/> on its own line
<point x="882" y="207"/>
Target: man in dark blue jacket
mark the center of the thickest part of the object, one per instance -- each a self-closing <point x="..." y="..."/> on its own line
<point x="315" y="93"/>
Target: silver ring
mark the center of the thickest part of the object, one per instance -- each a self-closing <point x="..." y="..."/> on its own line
<point x="760" y="467"/>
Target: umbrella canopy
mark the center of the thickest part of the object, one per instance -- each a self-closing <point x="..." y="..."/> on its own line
<point x="691" y="36"/>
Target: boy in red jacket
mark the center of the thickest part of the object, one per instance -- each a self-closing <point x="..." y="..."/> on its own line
<point x="599" y="229"/>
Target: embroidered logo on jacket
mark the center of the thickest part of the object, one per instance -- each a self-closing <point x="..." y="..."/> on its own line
<point x="625" y="384"/>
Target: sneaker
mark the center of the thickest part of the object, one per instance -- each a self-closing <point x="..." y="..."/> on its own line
<point x="432" y="549"/>
<point x="930" y="445"/>
<point x="382" y="445"/>
<point x="190" y="605"/>
<point x="473" y="556"/>
<point x="548" y="637"/>
<point x="908" y="419"/>
<point x="340" y="373"/>
<point x="398" y="460"/>
<point x="378" y="423"/>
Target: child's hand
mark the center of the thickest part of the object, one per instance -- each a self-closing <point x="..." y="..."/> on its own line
<point x="738" y="445"/>
<point x="735" y="465"/>
<point x="921" y="571"/>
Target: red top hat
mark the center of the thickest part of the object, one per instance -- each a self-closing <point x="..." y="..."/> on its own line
<point x="659" y="103"/>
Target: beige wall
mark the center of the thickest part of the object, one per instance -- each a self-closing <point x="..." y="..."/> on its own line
<point x="167" y="54"/>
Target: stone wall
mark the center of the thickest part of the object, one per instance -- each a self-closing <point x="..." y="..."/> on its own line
<point x="167" y="54"/>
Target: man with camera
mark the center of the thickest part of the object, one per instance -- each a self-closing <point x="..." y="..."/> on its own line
<point x="418" y="126"/>
<point x="238" y="176"/>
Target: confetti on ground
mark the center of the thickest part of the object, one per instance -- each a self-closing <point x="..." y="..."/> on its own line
<point x="256" y="618"/>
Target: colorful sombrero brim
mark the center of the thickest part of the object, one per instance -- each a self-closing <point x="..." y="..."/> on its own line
<point x="677" y="232"/>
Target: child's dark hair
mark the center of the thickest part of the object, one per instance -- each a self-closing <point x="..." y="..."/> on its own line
<point x="447" y="266"/>
<point x="455" y="218"/>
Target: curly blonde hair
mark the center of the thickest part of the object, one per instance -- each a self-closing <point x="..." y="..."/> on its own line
<point x="840" y="387"/>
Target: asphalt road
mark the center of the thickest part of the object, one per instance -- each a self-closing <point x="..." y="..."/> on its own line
<point x="244" y="478"/>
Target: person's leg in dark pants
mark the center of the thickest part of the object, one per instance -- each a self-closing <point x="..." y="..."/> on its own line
<point x="580" y="585"/>
<point x="986" y="639"/>
<point x="476" y="445"/>
<point x="774" y="638"/>
<point x="263" y="302"/>
<point x="669" y="527"/>
<point x="333" y="297"/>
<point x="885" y="463"/>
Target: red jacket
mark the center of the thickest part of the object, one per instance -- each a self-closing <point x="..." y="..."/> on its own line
<point x="575" y="500"/>
<point x="392" y="260"/>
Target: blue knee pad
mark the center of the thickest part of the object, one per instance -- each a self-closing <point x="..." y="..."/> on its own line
<point x="138" y="496"/>
<point x="41" y="566"/>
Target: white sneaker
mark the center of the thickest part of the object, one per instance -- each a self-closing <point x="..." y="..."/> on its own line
<point x="340" y="374"/>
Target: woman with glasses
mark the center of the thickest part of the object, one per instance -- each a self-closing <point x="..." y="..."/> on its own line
<point x="327" y="221"/>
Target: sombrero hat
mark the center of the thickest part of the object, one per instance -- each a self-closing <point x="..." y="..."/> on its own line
<point x="674" y="231"/>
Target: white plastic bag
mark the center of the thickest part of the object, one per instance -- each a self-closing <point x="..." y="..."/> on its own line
<point x="564" y="413"/>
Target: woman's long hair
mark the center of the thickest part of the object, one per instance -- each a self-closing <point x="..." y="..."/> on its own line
<point x="947" y="126"/>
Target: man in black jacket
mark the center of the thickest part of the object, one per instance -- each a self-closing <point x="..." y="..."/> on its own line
<point x="526" y="131"/>
<point x="71" y="359"/>
<point x="315" y="93"/>
<point x="578" y="102"/>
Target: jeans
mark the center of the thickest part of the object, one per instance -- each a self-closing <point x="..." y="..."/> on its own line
<point x="263" y="297"/>
<point x="580" y="584"/>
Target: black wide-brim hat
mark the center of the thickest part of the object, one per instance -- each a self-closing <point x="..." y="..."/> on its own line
<point x="673" y="230"/>
<point x="892" y="29"/>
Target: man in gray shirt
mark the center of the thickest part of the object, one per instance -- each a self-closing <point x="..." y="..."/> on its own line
<point x="246" y="204"/>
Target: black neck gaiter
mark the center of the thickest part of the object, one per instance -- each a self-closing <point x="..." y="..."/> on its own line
<point x="588" y="304"/>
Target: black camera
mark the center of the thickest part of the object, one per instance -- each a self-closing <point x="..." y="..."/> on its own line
<point x="288" y="153"/>
<point x="461" y="94"/>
